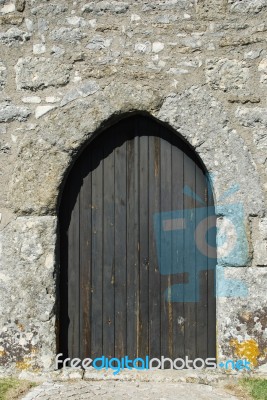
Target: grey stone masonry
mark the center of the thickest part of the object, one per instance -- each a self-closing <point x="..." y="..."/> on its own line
<point x="70" y="68"/>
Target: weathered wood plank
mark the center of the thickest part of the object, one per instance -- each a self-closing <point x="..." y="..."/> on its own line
<point x="166" y="247"/>
<point x="74" y="281"/>
<point x="177" y="251"/>
<point x="97" y="253"/>
<point x="144" y="242"/>
<point x="85" y="257"/>
<point x="154" y="273"/>
<point x="108" y="248"/>
<point x="189" y="259"/>
<point x="120" y="243"/>
<point x="201" y="265"/>
<point x="132" y="245"/>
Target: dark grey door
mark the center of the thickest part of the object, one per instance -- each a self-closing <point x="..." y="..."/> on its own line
<point x="137" y="248"/>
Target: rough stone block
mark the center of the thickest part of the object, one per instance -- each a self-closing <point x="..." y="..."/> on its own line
<point x="242" y="321"/>
<point x="262" y="68"/>
<point x="227" y="75"/>
<point x="260" y="141"/>
<point x="9" y="112"/>
<point x="247" y="6"/>
<point x="7" y="8"/>
<point x="211" y="9"/>
<point x="38" y="48"/>
<point x="42" y="110"/>
<point x="31" y="99"/>
<point x="83" y="90"/>
<point x="143" y="48"/>
<point x="28" y="298"/>
<point x="259" y="239"/>
<point x="252" y="54"/>
<point x="3" y="75"/>
<point x="35" y="73"/>
<point x="47" y="9"/>
<point x="99" y="43"/>
<point x="255" y="117"/>
<point x="69" y="35"/>
<point x="100" y="7"/>
<point x="178" y="5"/>
<point x="14" y="35"/>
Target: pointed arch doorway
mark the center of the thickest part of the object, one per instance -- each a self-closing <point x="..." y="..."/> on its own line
<point x="137" y="248"/>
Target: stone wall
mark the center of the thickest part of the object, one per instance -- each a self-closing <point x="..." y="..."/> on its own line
<point x="68" y="69"/>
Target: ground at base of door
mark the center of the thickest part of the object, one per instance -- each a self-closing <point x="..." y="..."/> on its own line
<point x="83" y="390"/>
<point x="206" y="377"/>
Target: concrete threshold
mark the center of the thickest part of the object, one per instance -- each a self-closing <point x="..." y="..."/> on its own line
<point x="205" y="377"/>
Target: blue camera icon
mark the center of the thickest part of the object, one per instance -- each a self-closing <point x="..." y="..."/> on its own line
<point x="186" y="244"/>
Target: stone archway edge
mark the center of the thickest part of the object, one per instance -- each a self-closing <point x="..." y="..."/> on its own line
<point x="43" y="159"/>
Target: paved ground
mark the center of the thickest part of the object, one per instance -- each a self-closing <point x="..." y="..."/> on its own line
<point x="110" y="390"/>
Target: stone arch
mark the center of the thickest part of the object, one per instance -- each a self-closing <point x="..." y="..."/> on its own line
<point x="198" y="117"/>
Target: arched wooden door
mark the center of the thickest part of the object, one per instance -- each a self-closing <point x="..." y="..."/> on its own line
<point x="137" y="248"/>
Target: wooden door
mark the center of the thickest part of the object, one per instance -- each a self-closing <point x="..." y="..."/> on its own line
<point x="137" y="248"/>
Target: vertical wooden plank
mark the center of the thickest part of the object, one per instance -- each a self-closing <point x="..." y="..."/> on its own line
<point x="189" y="258"/>
<point x="120" y="242"/>
<point x="166" y="246"/>
<point x="154" y="275"/>
<point x="97" y="252"/>
<point x="108" y="247"/>
<point x="201" y="265"/>
<point x="144" y="241"/>
<point x="85" y="257"/>
<point x="74" y="281"/>
<point x="132" y="244"/>
<point x="177" y="174"/>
